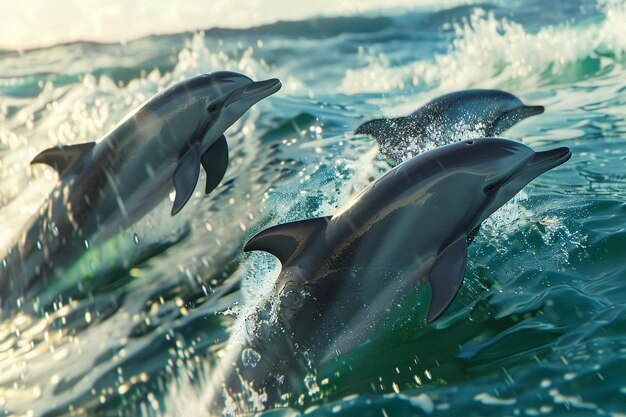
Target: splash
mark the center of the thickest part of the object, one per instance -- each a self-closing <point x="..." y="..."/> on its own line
<point x="82" y="113"/>
<point x="63" y="342"/>
<point x="93" y="20"/>
<point x="490" y="53"/>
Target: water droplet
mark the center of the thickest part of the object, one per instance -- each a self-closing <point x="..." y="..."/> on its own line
<point x="250" y="357"/>
<point x="38" y="245"/>
<point x="86" y="244"/>
<point x="310" y="381"/>
<point x="135" y="238"/>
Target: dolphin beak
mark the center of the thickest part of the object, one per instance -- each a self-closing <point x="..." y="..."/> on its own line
<point x="257" y="91"/>
<point x="527" y="111"/>
<point x="542" y="162"/>
<point x="547" y="160"/>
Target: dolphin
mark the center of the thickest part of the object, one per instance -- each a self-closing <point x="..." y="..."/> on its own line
<point x="458" y="115"/>
<point x="341" y="274"/>
<point x="106" y="186"/>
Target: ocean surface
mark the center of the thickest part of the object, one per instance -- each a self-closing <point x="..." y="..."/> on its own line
<point x="539" y="326"/>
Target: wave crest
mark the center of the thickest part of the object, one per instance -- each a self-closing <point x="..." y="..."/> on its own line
<point x="491" y="52"/>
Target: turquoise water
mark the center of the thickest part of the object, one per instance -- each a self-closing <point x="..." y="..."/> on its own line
<point x="538" y="327"/>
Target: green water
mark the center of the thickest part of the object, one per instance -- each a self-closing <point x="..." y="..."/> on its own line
<point x="538" y="327"/>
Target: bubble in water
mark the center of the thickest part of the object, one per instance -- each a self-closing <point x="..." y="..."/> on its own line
<point x="250" y="357"/>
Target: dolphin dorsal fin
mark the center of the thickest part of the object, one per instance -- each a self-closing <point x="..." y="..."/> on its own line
<point x="284" y="240"/>
<point x="63" y="158"/>
<point x="446" y="277"/>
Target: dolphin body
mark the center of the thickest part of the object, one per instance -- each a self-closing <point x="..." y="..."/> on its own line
<point x="105" y="187"/>
<point x="341" y="274"/>
<point x="458" y="115"/>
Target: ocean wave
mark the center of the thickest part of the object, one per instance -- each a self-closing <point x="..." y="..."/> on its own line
<point x="83" y="112"/>
<point x="44" y="24"/>
<point x="542" y="298"/>
<point x="261" y="184"/>
<point x="490" y="52"/>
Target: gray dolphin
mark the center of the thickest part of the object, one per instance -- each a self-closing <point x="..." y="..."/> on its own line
<point x="453" y="116"/>
<point x="106" y="186"/>
<point x="341" y="274"/>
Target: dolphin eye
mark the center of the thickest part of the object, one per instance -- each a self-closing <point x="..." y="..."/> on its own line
<point x="490" y="188"/>
<point x="212" y="108"/>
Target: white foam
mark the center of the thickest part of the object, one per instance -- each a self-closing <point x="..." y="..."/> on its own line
<point x="42" y="22"/>
<point x="82" y="113"/>
<point x="489" y="53"/>
<point x="79" y="113"/>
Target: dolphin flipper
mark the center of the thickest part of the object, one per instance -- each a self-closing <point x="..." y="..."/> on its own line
<point x="446" y="277"/>
<point x="284" y="240"/>
<point x="186" y="177"/>
<point x="215" y="161"/>
<point x="62" y="158"/>
<point x="472" y="234"/>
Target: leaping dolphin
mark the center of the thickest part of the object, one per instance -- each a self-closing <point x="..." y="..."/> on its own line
<point x="341" y="274"/>
<point x="458" y="115"/>
<point x="106" y="186"/>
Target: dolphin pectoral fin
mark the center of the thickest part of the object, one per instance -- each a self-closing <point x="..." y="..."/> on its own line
<point x="215" y="161"/>
<point x="472" y="234"/>
<point x="185" y="177"/>
<point x="446" y="277"/>
<point x="62" y="158"/>
<point x="284" y="240"/>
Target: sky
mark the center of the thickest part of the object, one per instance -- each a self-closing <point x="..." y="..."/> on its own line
<point x="38" y="23"/>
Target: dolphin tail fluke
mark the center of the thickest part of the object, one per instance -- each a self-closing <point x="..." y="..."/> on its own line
<point x="63" y="158"/>
<point x="186" y="177"/>
<point x="446" y="277"/>
<point x="284" y="240"/>
<point x="215" y="161"/>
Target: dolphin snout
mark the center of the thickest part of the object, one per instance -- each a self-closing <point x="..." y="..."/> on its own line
<point x="258" y="90"/>
<point x="544" y="161"/>
<point x="255" y="92"/>
<point x="551" y="158"/>
<point x="532" y="110"/>
<point x="273" y="85"/>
